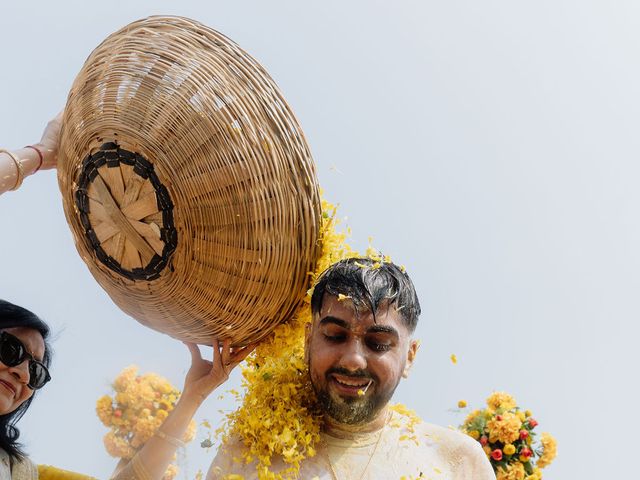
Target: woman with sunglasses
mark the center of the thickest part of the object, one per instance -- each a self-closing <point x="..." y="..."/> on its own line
<point x="24" y="360"/>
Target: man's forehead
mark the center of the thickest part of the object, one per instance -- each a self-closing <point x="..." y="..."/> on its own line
<point x="343" y="312"/>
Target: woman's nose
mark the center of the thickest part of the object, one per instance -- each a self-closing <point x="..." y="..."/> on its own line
<point x="21" y="371"/>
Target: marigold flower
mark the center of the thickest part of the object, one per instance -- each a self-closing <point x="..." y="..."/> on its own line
<point x="513" y="471"/>
<point x="549" y="450"/>
<point x="509" y="449"/>
<point x="104" y="409"/>
<point x="501" y="400"/>
<point x="117" y="446"/>
<point x="462" y="403"/>
<point x="139" y="406"/>
<point x="504" y="428"/>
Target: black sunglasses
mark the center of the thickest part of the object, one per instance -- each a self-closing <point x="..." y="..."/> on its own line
<point x="13" y="352"/>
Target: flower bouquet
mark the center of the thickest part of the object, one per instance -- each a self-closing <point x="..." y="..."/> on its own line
<point x="507" y="435"/>
<point x="140" y="404"/>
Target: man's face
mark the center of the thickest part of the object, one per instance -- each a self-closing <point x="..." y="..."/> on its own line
<point x="356" y="362"/>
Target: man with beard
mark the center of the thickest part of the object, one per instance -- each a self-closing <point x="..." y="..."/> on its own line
<point x="358" y="347"/>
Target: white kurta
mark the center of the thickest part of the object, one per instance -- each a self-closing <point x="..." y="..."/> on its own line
<point x="436" y="453"/>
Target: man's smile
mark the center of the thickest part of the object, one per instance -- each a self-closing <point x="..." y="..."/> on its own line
<point x="350" y="385"/>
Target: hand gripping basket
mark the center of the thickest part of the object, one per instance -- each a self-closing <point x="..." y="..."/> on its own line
<point x="188" y="183"/>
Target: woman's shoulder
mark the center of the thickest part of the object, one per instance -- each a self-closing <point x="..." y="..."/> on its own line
<point x="24" y="469"/>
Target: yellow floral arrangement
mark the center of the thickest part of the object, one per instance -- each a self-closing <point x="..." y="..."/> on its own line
<point x="507" y="436"/>
<point x="135" y="412"/>
<point x="279" y="415"/>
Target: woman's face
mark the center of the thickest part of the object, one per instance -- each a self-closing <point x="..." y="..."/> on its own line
<point x="13" y="380"/>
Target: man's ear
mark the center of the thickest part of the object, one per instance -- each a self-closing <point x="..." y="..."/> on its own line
<point x="411" y="356"/>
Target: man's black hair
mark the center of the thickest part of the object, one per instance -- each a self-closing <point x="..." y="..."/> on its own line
<point x="369" y="283"/>
<point x="14" y="316"/>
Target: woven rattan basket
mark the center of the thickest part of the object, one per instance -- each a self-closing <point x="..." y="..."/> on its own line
<point x="188" y="183"/>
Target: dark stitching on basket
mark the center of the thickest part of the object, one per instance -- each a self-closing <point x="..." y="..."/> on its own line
<point x="111" y="154"/>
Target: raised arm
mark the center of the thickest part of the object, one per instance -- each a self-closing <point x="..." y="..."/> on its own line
<point x="204" y="376"/>
<point x="15" y="165"/>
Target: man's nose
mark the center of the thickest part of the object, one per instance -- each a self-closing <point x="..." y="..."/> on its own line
<point x="354" y="358"/>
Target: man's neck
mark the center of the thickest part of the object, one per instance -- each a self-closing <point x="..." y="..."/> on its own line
<point x="343" y="430"/>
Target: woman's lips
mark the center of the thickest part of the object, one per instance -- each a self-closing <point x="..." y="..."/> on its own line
<point x="8" y="386"/>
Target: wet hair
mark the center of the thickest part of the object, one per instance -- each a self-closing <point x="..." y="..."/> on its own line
<point x="14" y="316"/>
<point x="369" y="284"/>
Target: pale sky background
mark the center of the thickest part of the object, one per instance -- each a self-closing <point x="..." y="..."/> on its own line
<point x="490" y="146"/>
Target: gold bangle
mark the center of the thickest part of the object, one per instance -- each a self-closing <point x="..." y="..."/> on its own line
<point x="139" y="469"/>
<point x="176" y="442"/>
<point x="19" y="168"/>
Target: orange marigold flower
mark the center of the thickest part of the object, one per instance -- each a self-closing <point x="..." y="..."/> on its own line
<point x="504" y="428"/>
<point x="514" y="471"/>
<point x="549" y="450"/>
<point x="501" y="400"/>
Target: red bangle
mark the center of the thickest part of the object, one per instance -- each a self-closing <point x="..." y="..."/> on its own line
<point x="39" y="154"/>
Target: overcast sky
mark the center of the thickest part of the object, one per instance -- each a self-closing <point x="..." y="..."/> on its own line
<point x="490" y="146"/>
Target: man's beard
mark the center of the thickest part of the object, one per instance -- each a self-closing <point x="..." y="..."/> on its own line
<point x="351" y="410"/>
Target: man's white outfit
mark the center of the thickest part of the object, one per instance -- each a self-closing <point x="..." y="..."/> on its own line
<point x="392" y="453"/>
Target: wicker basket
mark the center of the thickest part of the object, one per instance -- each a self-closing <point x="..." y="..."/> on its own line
<point x="188" y="183"/>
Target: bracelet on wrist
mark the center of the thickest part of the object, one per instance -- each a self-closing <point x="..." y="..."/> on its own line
<point x="176" y="442"/>
<point x="19" y="168"/>
<point x="40" y="156"/>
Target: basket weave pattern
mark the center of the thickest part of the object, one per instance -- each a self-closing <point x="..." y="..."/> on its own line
<point x="188" y="183"/>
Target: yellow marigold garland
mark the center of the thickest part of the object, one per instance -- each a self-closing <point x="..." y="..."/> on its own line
<point x="507" y="436"/>
<point x="139" y="406"/>
<point x="278" y="416"/>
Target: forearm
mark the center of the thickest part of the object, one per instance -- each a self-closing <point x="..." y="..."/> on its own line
<point x="203" y="378"/>
<point x="151" y="462"/>
<point x="10" y="174"/>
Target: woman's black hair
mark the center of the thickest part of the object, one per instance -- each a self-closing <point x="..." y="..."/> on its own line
<point x="14" y="316"/>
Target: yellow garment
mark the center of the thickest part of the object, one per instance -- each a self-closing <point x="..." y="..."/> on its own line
<point x="47" y="472"/>
<point x="439" y="453"/>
